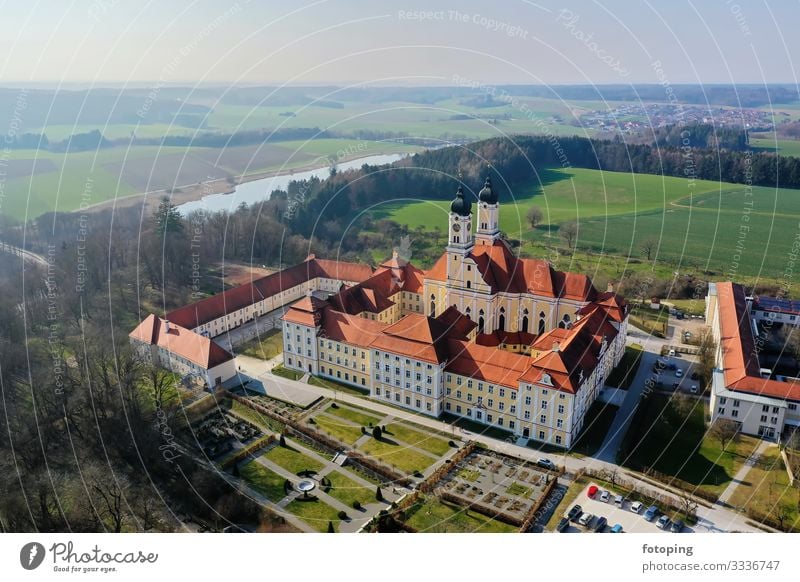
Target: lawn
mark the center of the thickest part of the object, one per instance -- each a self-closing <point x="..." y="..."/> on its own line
<point x="435" y="516"/>
<point x="421" y="440"/>
<point x="255" y="417"/>
<point x="402" y="457"/>
<point x="284" y="372"/>
<point x="766" y="491"/>
<point x="689" y="306"/>
<point x="675" y="443"/>
<point x="468" y="474"/>
<point x="518" y="490"/>
<point x="268" y="483"/>
<point x="596" y="424"/>
<point x="266" y="346"/>
<point x="347" y="491"/>
<point x="347" y="433"/>
<point x="786" y="147"/>
<point x="291" y="459"/>
<point x="625" y="372"/>
<point x="353" y="415"/>
<point x="651" y="321"/>
<point x="315" y="513"/>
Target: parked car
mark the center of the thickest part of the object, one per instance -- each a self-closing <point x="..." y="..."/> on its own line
<point x="562" y="525"/>
<point x="677" y="526"/>
<point x="678" y="373"/>
<point x="636" y="507"/>
<point x="693" y="389"/>
<point x="651" y="513"/>
<point x="547" y="464"/>
<point x="592" y="491"/>
<point x="605" y="496"/>
<point x="663" y="522"/>
<point x="619" y="500"/>
<point x="586" y="519"/>
<point x="676" y="385"/>
<point x="672" y="367"/>
<point x="671" y="353"/>
<point x="575" y="513"/>
<point x="617" y="528"/>
<point x="600" y="525"/>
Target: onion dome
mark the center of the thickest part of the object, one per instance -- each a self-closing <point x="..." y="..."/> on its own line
<point x="487" y="194"/>
<point x="460" y="205"/>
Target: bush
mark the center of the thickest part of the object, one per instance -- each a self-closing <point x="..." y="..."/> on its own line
<point x="334" y="405"/>
<point x="357" y="505"/>
<point x="342" y="515"/>
<point x="283" y="441"/>
<point x="312" y="421"/>
<point x="377" y="433"/>
<point x="379" y="494"/>
<point x="330" y="527"/>
<point x="452" y="444"/>
<point x="363" y="430"/>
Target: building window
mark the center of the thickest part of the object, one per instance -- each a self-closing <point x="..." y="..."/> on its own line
<point x="527" y="415"/>
<point x="559" y="423"/>
<point x="527" y="401"/>
<point x="543" y="419"/>
<point x="447" y="406"/>
<point x="541" y="435"/>
<point x="561" y="409"/>
<point x="458" y="409"/>
<point x="735" y="413"/>
<point x="558" y="439"/>
<point x="501" y="406"/>
<point x="512" y="424"/>
<point x="544" y="404"/>
<point x="721" y="410"/>
<point x="458" y="394"/>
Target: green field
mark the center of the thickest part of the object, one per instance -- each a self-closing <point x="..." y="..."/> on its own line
<point x="265" y="347"/>
<point x="268" y="483"/>
<point x="676" y="444"/>
<point x="785" y="147"/>
<point x="352" y="415"/>
<point x="421" y="440"/>
<point x="345" y="432"/>
<point x="315" y="513"/>
<point x="402" y="457"/>
<point x="347" y="491"/>
<point x="434" y="516"/>
<point x="291" y="459"/>
<point x="708" y="226"/>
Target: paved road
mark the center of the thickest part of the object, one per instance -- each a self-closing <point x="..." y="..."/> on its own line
<point x="715" y="518"/>
<point x="25" y="255"/>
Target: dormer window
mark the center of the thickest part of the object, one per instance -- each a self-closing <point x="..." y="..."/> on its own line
<point x="546" y="379"/>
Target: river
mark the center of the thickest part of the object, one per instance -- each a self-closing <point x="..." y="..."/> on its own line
<point x="259" y="190"/>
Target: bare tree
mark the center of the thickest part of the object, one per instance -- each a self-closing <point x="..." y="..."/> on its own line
<point x="648" y="247"/>
<point x="724" y="431"/>
<point x="162" y="383"/>
<point x="687" y="503"/>
<point x="569" y="232"/>
<point x="534" y="216"/>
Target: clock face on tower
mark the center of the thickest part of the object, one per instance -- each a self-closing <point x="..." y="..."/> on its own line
<point x="456" y="227"/>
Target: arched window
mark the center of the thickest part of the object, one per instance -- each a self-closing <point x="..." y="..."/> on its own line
<point x="524" y="326"/>
<point x="565" y="323"/>
<point x="433" y="305"/>
<point x="469" y="284"/>
<point x="501" y="321"/>
<point x="468" y="313"/>
<point x="480" y="321"/>
<point x="542" y="325"/>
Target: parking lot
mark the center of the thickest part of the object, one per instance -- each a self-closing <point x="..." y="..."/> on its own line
<point x="630" y="522"/>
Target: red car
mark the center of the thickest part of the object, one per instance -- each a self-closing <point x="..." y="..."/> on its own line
<point x="592" y="491"/>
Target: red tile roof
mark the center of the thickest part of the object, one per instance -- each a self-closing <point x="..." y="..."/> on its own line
<point x="740" y="364"/>
<point x="505" y="272"/>
<point x="180" y="341"/>
<point x="485" y="363"/>
<point x="236" y="298"/>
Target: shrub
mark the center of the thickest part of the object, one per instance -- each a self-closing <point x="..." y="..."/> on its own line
<point x="283" y="441"/>
<point x="357" y="505"/>
<point x="363" y="430"/>
<point x="330" y="527"/>
<point x="452" y="444"/>
<point x="312" y="421"/>
<point x="378" y="494"/>
<point x="334" y="405"/>
<point x="342" y="515"/>
<point x="377" y="433"/>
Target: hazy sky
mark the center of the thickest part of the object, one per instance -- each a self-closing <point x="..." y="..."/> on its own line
<point x="400" y="42"/>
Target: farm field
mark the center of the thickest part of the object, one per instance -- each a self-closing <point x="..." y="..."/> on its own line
<point x="43" y="181"/>
<point x="617" y="211"/>
<point x="785" y="147"/>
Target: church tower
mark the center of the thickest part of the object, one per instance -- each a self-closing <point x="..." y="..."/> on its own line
<point x="460" y="229"/>
<point x="488" y="215"/>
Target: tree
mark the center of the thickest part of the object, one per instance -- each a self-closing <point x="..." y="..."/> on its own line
<point x="724" y="431"/>
<point x="377" y="433"/>
<point x="688" y="504"/>
<point x="162" y="383"/>
<point x="569" y="232"/>
<point x="167" y="218"/>
<point x="682" y="404"/>
<point x="534" y="216"/>
<point x="706" y="355"/>
<point x="648" y="247"/>
<point x="378" y="494"/>
<point x="330" y="527"/>
<point x="283" y="441"/>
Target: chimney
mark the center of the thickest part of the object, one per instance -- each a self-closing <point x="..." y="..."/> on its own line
<point x="166" y="325"/>
<point x="395" y="254"/>
<point x="309" y="292"/>
<point x="556" y="346"/>
<point x="610" y="287"/>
